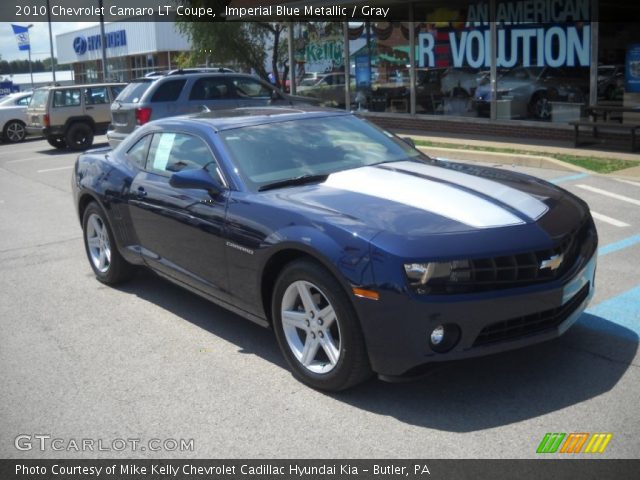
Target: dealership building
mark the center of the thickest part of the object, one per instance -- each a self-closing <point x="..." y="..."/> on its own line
<point x="501" y="67"/>
<point x="132" y="49"/>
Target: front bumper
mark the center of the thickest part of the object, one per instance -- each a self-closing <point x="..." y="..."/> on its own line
<point x="398" y="326"/>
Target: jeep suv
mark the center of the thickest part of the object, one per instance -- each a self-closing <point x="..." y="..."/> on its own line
<point x="70" y="116"/>
<point x="180" y="92"/>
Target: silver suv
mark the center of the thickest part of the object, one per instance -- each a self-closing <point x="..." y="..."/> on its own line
<point x="181" y="92"/>
<point x="70" y="116"/>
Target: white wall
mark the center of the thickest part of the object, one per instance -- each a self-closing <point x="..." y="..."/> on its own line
<point x="142" y="38"/>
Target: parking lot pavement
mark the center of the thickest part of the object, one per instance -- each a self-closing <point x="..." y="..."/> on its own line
<point x="148" y="360"/>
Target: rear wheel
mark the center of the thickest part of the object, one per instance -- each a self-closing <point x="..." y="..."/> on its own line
<point x="317" y="328"/>
<point x="57" y="142"/>
<point x="79" y="136"/>
<point x="14" y="131"/>
<point x="105" y="260"/>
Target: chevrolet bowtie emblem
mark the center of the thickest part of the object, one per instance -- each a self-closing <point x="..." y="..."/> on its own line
<point x="552" y="263"/>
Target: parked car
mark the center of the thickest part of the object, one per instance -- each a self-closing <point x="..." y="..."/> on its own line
<point x="184" y="91"/>
<point x="532" y="89"/>
<point x="70" y="116"/>
<point x="13" y="118"/>
<point x="329" y="88"/>
<point x="363" y="254"/>
<point x="610" y="82"/>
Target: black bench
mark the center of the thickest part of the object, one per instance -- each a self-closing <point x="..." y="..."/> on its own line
<point x="595" y="127"/>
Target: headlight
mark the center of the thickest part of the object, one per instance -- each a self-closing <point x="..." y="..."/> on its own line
<point x="437" y="273"/>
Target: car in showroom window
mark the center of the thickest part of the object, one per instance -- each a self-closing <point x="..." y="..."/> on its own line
<point x="364" y="255"/>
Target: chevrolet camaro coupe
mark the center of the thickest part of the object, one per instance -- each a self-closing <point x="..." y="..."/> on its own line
<point x="363" y="254"/>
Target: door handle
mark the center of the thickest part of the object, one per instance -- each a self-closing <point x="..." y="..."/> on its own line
<point x="88" y="108"/>
<point x="142" y="192"/>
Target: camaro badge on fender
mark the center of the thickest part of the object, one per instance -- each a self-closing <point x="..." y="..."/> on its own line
<point x="552" y="263"/>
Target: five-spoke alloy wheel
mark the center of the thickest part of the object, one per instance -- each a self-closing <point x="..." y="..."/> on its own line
<point x="105" y="260"/>
<point x="14" y="131"/>
<point x="317" y="328"/>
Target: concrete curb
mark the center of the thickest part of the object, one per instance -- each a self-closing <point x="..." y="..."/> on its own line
<point x="538" y="161"/>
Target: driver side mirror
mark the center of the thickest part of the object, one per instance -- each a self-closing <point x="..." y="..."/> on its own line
<point x="197" y="179"/>
<point x="275" y="95"/>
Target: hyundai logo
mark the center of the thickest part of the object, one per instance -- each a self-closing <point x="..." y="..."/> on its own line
<point x="80" y="45"/>
<point x="552" y="263"/>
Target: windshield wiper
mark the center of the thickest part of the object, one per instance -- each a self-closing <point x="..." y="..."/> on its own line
<point x="301" y="180"/>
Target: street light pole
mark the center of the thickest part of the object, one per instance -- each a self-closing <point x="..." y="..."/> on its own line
<point x="53" y="68"/>
<point x="30" y="66"/>
<point x="103" y="41"/>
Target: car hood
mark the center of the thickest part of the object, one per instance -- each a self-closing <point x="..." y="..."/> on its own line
<point x="408" y="202"/>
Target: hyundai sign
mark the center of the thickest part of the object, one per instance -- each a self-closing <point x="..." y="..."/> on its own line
<point x="83" y="44"/>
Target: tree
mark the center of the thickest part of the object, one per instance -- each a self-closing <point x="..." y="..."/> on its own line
<point x="234" y="42"/>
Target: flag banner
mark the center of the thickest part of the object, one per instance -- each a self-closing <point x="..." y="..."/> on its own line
<point x="22" y="36"/>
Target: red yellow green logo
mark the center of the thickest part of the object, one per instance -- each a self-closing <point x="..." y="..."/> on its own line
<point x="579" y="442"/>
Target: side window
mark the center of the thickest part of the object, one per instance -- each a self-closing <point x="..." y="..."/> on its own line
<point x="66" y="98"/>
<point x="96" y="96"/>
<point x="174" y="152"/>
<point x="209" y="88"/>
<point x="115" y="90"/>
<point x="251" y="88"/>
<point x="168" y="91"/>
<point x="23" y="101"/>
<point x="137" y="154"/>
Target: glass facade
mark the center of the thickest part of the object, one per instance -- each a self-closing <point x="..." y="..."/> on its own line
<point x="442" y="62"/>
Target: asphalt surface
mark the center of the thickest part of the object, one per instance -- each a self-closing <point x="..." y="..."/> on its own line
<point x="79" y="360"/>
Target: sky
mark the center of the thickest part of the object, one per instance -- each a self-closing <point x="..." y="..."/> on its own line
<point x="39" y="35"/>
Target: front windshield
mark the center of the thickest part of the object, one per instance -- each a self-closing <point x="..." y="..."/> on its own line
<point x="279" y="151"/>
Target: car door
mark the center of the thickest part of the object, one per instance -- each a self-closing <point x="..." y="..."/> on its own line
<point x="180" y="231"/>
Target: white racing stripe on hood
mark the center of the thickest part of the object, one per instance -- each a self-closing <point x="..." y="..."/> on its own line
<point x="431" y="196"/>
<point x="520" y="201"/>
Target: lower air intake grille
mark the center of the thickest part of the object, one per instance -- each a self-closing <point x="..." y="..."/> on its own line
<point x="534" y="323"/>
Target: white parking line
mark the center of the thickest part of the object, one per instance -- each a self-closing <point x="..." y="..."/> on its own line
<point x="55" y="169"/>
<point x="628" y="182"/>
<point x="609" y="194"/>
<point x="32" y="159"/>
<point x="609" y="220"/>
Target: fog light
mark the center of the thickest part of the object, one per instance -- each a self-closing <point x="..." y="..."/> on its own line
<point x="444" y="337"/>
<point x="437" y="335"/>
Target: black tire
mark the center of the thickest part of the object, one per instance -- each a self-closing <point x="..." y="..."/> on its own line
<point x="118" y="269"/>
<point x="79" y="136"/>
<point x="352" y="365"/>
<point x="14" y="131"/>
<point x="57" y="142"/>
<point x="540" y="107"/>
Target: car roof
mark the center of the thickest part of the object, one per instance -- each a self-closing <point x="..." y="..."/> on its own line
<point x="250" y="116"/>
<point x="80" y="85"/>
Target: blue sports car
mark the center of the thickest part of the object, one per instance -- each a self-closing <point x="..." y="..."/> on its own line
<point x="363" y="254"/>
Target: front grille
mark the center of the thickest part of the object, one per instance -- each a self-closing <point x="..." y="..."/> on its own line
<point x="518" y="270"/>
<point x="529" y="324"/>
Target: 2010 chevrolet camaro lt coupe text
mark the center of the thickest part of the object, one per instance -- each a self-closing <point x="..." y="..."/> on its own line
<point x="363" y="254"/>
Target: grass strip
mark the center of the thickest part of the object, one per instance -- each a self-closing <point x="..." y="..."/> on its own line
<point x="595" y="164"/>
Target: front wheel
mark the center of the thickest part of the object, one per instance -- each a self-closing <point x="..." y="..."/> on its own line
<point x="317" y="328"/>
<point x="105" y="260"/>
<point x="14" y="131"/>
